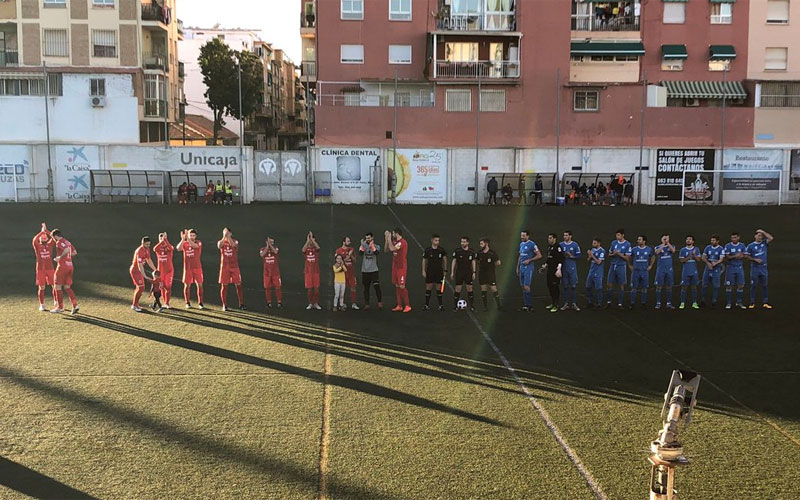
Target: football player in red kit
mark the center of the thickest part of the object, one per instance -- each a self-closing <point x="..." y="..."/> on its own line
<point x="396" y="244"/>
<point x="272" y="272"/>
<point x="229" y="273"/>
<point x="311" y="270"/>
<point x="65" y="251"/>
<point x="348" y="255"/>
<point x="164" y="251"/>
<point x="45" y="274"/>
<point x="192" y="249"/>
<point x="141" y="256"/>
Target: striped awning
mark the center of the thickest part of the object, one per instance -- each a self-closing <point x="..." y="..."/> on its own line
<point x="606" y="48"/>
<point x="705" y="90"/>
<point x="722" y="52"/>
<point x="723" y="1"/>
<point x="673" y="52"/>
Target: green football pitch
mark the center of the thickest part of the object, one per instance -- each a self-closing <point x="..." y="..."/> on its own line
<point x="380" y="405"/>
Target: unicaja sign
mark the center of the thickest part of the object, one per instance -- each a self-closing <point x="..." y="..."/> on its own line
<point x="208" y="160"/>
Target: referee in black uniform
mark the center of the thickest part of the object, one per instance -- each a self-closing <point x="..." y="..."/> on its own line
<point x="487" y="261"/>
<point x="434" y="265"/>
<point x="555" y="259"/>
<point x="462" y="272"/>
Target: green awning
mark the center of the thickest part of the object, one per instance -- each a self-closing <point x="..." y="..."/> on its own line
<point x="723" y="1"/>
<point x="606" y="48"/>
<point x="722" y="52"/>
<point x="674" y="52"/>
<point x="705" y="90"/>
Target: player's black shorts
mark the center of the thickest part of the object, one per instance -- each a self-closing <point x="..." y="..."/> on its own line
<point x="372" y="278"/>
<point x="463" y="277"/>
<point x="434" y="277"/>
<point x="487" y="279"/>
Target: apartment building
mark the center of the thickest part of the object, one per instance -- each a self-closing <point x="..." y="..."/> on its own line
<point x="573" y="72"/>
<point x="774" y="68"/>
<point x="109" y="67"/>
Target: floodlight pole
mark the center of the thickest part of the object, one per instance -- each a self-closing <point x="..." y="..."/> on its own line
<point x="394" y="141"/>
<point x="50" y="195"/>
<point x="241" y="134"/>
<point x="478" y="132"/>
<point x="558" y="134"/>
<point x="722" y="138"/>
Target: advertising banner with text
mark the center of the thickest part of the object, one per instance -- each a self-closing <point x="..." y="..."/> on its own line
<point x="768" y="160"/>
<point x="72" y="180"/>
<point x="421" y="175"/>
<point x="15" y="170"/>
<point x="670" y="165"/>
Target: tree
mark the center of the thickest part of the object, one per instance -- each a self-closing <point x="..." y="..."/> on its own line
<point x="219" y="65"/>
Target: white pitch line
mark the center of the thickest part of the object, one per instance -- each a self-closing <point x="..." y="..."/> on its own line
<point x="548" y="422"/>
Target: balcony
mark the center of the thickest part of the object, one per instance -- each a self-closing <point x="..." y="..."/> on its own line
<point x="475" y="70"/>
<point x="155" y="60"/>
<point x="155" y="108"/>
<point x="308" y="69"/>
<point x="9" y="57"/>
<point x="404" y="100"/>
<point x="605" y="16"/>
<point x="153" y="11"/>
<point x="180" y="29"/>
<point x="592" y="23"/>
<point x="476" y="15"/>
<point x="181" y="70"/>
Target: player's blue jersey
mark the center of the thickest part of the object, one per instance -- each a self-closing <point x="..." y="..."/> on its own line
<point x="572" y="247"/>
<point x="623" y="247"/>
<point x="641" y="257"/>
<point x="758" y="251"/>
<point x="527" y="250"/>
<point x="594" y="267"/>
<point x="713" y="254"/>
<point x="732" y="250"/>
<point x="690" y="266"/>
<point x="664" y="259"/>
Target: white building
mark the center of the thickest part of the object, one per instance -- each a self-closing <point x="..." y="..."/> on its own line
<point x="83" y="107"/>
<point x="189" y="50"/>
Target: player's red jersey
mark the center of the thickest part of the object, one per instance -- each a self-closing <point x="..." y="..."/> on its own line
<point x="229" y="255"/>
<point x="191" y="255"/>
<point x="66" y="260"/>
<point x="140" y="256"/>
<point x="44" y="252"/>
<point x="156" y="285"/>
<point x="271" y="262"/>
<point x="347" y="255"/>
<point x="164" y="250"/>
<point x="311" y="261"/>
<point x="399" y="253"/>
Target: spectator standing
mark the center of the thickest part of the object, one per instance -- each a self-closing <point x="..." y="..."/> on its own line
<point x="612" y="190"/>
<point x="219" y="193"/>
<point x="523" y="199"/>
<point x="628" y="191"/>
<point x="209" y="192"/>
<point x="228" y="193"/>
<point x="618" y="190"/>
<point x="491" y="188"/>
<point x="538" y="190"/>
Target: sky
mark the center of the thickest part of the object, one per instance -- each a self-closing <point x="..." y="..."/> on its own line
<point x="278" y="20"/>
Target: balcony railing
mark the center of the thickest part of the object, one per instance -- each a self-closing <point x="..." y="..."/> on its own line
<point x="155" y="108"/>
<point x="155" y="60"/>
<point x="154" y="12"/>
<point x="9" y="57"/>
<point x="309" y="68"/>
<point x="485" y="21"/>
<point x="375" y="100"/>
<point x="474" y="69"/>
<point x="587" y="22"/>
<point x="308" y="20"/>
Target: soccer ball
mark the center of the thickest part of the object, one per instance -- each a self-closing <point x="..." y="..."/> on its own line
<point x="461" y="305"/>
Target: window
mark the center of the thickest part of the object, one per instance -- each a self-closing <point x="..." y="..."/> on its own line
<point x="55" y="3"/>
<point x="458" y="100"/>
<point x="104" y="43"/>
<point x="399" y="10"/>
<point x="610" y="58"/>
<point x="353" y="9"/>
<point x="719" y="65"/>
<point x="352" y="54"/>
<point x="155" y="96"/>
<point x="55" y="43"/>
<point x="97" y="86"/>
<point x="403" y="99"/>
<point x="103" y="3"/>
<point x="352" y="98"/>
<point x="777" y="11"/>
<point x="399" y="54"/>
<point x="493" y="100"/>
<point x="672" y="65"/>
<point x="461" y="52"/>
<point x="775" y="58"/>
<point x="586" y="100"/>
<point x="780" y="95"/>
<point x="32" y="86"/>
<point x="721" y="13"/>
<point x="674" y="12"/>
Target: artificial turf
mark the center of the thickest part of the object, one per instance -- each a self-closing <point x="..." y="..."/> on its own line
<point x="378" y="405"/>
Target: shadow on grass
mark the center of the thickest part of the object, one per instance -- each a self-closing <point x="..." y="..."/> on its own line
<point x="168" y="433"/>
<point x="34" y="484"/>
<point x="335" y="380"/>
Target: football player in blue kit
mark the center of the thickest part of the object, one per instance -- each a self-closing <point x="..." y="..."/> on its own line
<point x="689" y="255"/>
<point x="757" y="254"/>
<point x="735" y="255"/>
<point x="642" y="258"/>
<point x="620" y="253"/>
<point x="569" y="278"/>
<point x="712" y="275"/>
<point x="665" y="277"/>
<point x="594" y="281"/>
<point x="528" y="254"/>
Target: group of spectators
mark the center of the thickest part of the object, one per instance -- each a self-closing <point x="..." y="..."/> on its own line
<point x="218" y="194"/>
<point x="507" y="192"/>
<point x="617" y="191"/>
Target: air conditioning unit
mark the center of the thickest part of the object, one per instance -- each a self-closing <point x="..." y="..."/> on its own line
<point x="98" y="101"/>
